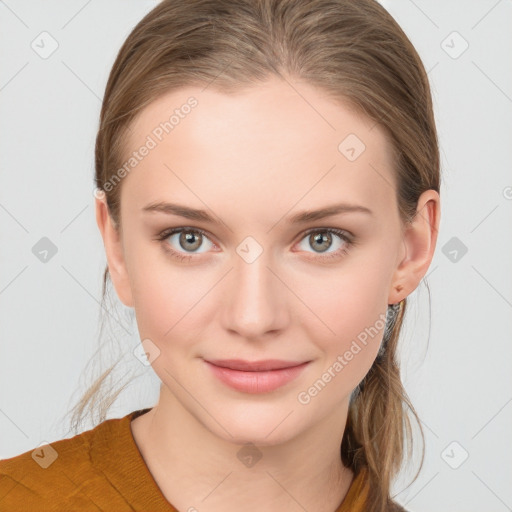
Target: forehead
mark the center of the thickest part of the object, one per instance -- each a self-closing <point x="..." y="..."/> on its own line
<point x="277" y="143"/>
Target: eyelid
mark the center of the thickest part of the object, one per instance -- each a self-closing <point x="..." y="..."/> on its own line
<point x="166" y="233"/>
<point x="337" y="231"/>
<point x="344" y="235"/>
<point x="169" y="231"/>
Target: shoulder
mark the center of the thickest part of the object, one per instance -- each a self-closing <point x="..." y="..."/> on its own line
<point x="30" y="473"/>
<point x="357" y="498"/>
<point x="61" y="472"/>
<point x="48" y="456"/>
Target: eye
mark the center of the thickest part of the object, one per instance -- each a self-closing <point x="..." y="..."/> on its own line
<point x="183" y="243"/>
<point x="322" y="239"/>
<point x="185" y="239"/>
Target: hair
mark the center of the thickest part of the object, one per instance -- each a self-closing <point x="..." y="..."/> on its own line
<point x="356" y="53"/>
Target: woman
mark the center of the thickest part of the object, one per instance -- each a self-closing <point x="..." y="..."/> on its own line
<point x="267" y="181"/>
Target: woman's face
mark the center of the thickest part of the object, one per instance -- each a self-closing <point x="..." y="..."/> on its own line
<point x="257" y="284"/>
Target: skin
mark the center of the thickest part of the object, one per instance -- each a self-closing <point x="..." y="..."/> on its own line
<point x="252" y="159"/>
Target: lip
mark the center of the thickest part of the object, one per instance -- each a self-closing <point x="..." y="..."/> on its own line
<point x="256" y="376"/>
<point x="254" y="366"/>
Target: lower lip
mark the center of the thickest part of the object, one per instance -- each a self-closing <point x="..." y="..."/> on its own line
<point x="256" y="382"/>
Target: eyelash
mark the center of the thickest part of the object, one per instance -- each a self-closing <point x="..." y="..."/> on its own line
<point x="348" y="239"/>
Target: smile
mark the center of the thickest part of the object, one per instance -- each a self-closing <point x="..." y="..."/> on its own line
<point x="256" y="377"/>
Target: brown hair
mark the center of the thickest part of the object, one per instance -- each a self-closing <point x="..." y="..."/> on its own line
<point x="355" y="52"/>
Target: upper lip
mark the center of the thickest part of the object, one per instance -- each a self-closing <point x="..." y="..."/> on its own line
<point x="254" y="366"/>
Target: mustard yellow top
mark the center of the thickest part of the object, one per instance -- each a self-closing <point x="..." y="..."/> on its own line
<point x="100" y="470"/>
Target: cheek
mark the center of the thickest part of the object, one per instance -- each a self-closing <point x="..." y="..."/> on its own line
<point x="167" y="298"/>
<point x="346" y="314"/>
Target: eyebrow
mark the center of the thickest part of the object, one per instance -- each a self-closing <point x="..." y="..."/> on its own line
<point x="298" y="218"/>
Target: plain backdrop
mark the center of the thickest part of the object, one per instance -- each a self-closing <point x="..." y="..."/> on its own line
<point x="456" y="348"/>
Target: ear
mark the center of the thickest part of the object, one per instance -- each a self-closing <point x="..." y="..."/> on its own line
<point x="112" y="242"/>
<point x="419" y="241"/>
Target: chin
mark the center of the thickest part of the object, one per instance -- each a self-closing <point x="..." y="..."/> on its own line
<point x="267" y="430"/>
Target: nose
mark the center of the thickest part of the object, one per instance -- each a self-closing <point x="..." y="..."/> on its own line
<point x="257" y="300"/>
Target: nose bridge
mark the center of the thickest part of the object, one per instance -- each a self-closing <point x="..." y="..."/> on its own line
<point x="256" y="303"/>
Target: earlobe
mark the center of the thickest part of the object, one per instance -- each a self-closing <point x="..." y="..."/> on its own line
<point x="420" y="238"/>
<point x="114" y="251"/>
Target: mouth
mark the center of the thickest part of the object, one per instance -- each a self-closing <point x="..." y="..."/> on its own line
<point x="255" y="376"/>
<point x="255" y="366"/>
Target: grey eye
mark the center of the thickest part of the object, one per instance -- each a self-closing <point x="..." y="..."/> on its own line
<point x="188" y="240"/>
<point x="321" y="240"/>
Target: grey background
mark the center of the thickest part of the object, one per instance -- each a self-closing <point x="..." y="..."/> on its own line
<point x="456" y="356"/>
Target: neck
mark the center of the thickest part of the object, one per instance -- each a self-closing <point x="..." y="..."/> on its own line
<point x="196" y="468"/>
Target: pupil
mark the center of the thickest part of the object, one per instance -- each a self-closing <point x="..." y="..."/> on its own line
<point x="189" y="239"/>
<point x="321" y="238"/>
